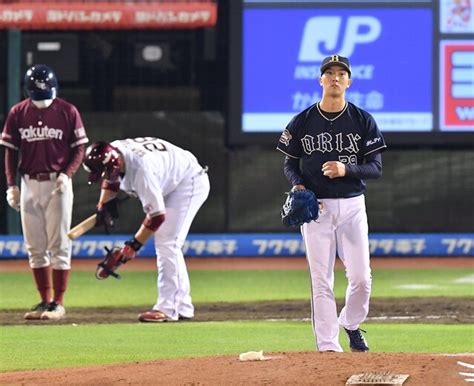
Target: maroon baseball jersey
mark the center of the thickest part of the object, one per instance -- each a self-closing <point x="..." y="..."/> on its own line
<point x="43" y="136"/>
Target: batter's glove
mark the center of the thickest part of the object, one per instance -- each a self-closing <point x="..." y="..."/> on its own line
<point x="106" y="215"/>
<point x="13" y="197"/>
<point x="61" y="183"/>
<point x="300" y="206"/>
<point x="115" y="257"/>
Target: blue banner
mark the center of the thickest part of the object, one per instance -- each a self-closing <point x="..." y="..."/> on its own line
<point x="283" y="50"/>
<point x="264" y="245"/>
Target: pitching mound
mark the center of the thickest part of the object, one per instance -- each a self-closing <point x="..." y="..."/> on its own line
<point x="303" y="368"/>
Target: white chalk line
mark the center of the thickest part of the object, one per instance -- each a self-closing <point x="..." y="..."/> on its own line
<point x="412" y="317"/>
<point x="373" y="318"/>
<point x="468" y="365"/>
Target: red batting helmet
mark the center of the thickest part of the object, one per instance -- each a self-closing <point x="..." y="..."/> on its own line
<point x="102" y="160"/>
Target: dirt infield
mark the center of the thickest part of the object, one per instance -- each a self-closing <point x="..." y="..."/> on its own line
<point x="412" y="310"/>
<point x="304" y="368"/>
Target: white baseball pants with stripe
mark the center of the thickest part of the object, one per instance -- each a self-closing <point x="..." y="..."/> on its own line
<point x="182" y="205"/>
<point x="341" y="229"/>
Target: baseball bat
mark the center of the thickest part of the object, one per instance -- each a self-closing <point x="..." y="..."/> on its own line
<point x="82" y="227"/>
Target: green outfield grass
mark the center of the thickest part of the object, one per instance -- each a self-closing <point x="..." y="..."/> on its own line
<point x="139" y="288"/>
<point x="40" y="347"/>
<point x="48" y="346"/>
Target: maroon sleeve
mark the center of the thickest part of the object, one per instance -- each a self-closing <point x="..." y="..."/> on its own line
<point x="11" y="166"/>
<point x="77" y="154"/>
<point x="10" y="135"/>
<point x="153" y="223"/>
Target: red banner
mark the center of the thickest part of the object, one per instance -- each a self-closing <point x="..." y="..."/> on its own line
<point x="76" y="15"/>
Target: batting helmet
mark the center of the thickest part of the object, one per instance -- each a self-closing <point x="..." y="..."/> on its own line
<point x="102" y="160"/>
<point x="41" y="82"/>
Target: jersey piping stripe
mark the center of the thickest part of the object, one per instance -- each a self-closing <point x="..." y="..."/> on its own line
<point x="332" y="119"/>
<point x="8" y="144"/>
<point x="289" y="155"/>
<point x="154" y="214"/>
<point x="381" y="147"/>
<point x="80" y="142"/>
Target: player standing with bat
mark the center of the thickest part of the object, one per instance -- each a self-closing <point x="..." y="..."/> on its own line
<point x="339" y="146"/>
<point x="44" y="142"/>
<point x="172" y="186"/>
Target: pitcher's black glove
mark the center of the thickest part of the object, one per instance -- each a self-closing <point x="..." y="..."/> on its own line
<point x="300" y="206"/>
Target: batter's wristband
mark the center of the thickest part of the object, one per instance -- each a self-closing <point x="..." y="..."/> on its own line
<point x="134" y="244"/>
<point x="114" y="186"/>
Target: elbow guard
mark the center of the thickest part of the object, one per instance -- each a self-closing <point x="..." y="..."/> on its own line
<point x="153" y="223"/>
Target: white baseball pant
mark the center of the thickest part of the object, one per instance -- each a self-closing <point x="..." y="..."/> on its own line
<point x="182" y="205"/>
<point x="341" y="229"/>
<point x="46" y="219"/>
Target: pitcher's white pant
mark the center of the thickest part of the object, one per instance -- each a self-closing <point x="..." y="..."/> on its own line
<point x="341" y="228"/>
<point x="45" y="220"/>
<point x="182" y="205"/>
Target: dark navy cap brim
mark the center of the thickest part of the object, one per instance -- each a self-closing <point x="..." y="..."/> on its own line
<point x="340" y="64"/>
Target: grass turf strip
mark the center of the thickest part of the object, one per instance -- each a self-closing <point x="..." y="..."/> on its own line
<point x="40" y="347"/>
<point x="138" y="288"/>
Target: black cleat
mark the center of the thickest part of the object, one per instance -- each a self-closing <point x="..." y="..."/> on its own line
<point x="357" y="341"/>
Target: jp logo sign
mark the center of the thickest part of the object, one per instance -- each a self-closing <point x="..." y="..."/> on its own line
<point x="324" y="32"/>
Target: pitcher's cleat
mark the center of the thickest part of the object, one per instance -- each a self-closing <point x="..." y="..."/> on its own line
<point x="357" y="341"/>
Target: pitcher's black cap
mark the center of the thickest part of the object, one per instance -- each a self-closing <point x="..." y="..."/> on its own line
<point x="336" y="60"/>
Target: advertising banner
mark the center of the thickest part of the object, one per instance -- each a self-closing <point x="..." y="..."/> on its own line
<point x="262" y="245"/>
<point x="456" y="16"/>
<point x="283" y="49"/>
<point x="111" y="15"/>
<point x="457" y="85"/>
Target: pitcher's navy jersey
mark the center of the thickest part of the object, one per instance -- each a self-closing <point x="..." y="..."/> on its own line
<point x="348" y="138"/>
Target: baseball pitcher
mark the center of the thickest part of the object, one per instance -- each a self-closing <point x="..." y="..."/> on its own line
<point x="331" y="148"/>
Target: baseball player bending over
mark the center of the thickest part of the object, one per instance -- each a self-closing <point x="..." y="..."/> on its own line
<point x="339" y="146"/>
<point x="171" y="186"/>
<point x="44" y="137"/>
